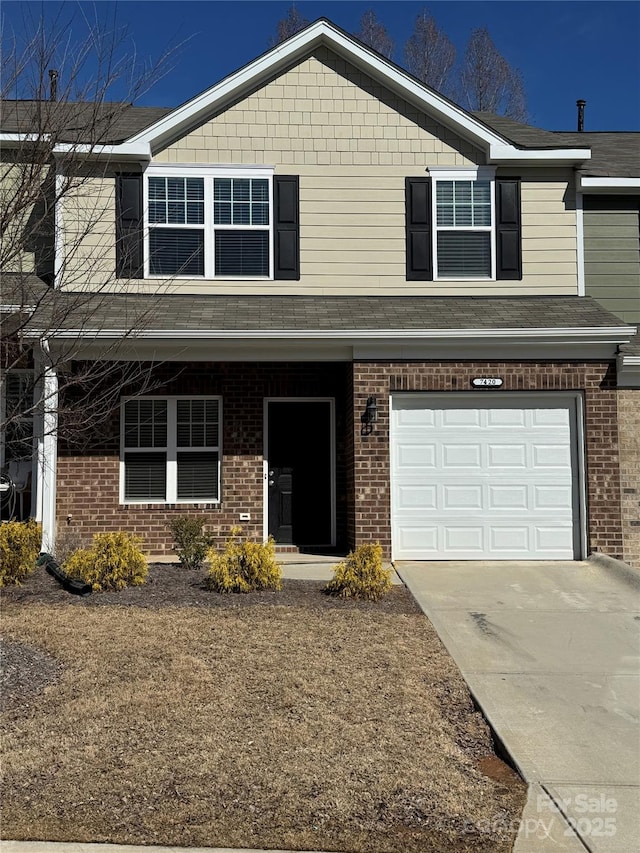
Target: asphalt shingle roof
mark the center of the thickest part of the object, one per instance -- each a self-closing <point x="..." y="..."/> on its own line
<point x="181" y="313"/>
<point x="105" y="123"/>
<point x="613" y="153"/>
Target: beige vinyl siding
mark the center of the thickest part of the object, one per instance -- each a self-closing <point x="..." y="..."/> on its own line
<point x="27" y="240"/>
<point x="89" y="234"/>
<point x="612" y="253"/>
<point x="353" y="143"/>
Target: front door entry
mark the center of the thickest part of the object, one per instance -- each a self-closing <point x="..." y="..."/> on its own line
<point x="299" y="472"/>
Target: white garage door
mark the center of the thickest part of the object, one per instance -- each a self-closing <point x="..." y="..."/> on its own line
<point x="484" y="477"/>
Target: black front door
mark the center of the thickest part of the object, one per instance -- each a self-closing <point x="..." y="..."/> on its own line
<point x="299" y="472"/>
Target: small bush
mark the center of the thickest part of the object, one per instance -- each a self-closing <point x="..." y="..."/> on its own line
<point x="191" y="543"/>
<point x="113" y="562"/>
<point x="19" y="548"/>
<point x="361" y="575"/>
<point x="243" y="566"/>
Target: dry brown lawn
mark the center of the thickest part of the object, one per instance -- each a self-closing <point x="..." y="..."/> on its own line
<point x="279" y="720"/>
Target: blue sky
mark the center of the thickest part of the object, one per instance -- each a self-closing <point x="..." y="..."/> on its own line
<point x="565" y="50"/>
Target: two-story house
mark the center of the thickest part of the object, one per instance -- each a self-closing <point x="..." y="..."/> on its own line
<point x="362" y="316"/>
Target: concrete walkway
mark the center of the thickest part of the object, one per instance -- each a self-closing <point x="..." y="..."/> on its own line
<point x="551" y="653"/>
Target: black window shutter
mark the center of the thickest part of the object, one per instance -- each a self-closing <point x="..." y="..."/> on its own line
<point x="129" y="244"/>
<point x="508" y="229"/>
<point x="286" y="193"/>
<point x="418" y="229"/>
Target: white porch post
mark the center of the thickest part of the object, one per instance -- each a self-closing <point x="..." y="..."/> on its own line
<point x="48" y="450"/>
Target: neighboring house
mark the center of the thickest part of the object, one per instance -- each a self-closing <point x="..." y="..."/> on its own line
<point x="364" y="316"/>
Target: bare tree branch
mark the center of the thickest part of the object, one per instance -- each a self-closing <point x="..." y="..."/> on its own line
<point x="374" y="33"/>
<point x="488" y="82"/>
<point x="289" y="26"/>
<point x="430" y="54"/>
<point x="39" y="185"/>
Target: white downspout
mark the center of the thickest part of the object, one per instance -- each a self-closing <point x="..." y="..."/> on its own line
<point x="48" y="450"/>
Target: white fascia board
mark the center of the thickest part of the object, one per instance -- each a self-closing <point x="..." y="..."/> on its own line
<point x="628" y="372"/>
<point x="320" y="33"/>
<point x="510" y="155"/>
<point x="10" y="140"/>
<point x="123" y="151"/>
<point x="612" y="334"/>
<point x="609" y="184"/>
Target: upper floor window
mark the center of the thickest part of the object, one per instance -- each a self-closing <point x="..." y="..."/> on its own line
<point x="463" y="235"/>
<point x="463" y="224"/>
<point x="210" y="225"/>
<point x="463" y="229"/>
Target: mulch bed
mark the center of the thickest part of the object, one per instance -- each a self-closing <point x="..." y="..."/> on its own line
<point x="169" y="585"/>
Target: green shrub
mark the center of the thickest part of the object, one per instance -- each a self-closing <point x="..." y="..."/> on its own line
<point x="361" y="575"/>
<point x="243" y="566"/>
<point x="191" y="543"/>
<point x="19" y="548"/>
<point x="114" y="561"/>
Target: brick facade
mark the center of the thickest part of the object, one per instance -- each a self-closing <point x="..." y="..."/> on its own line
<point x="371" y="459"/>
<point x="88" y="482"/>
<point x="629" y="428"/>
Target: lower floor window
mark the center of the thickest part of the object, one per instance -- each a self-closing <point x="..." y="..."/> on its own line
<point x="171" y="449"/>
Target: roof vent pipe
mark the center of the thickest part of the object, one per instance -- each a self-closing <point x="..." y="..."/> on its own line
<point x="53" y="84"/>
<point x="580" y="105"/>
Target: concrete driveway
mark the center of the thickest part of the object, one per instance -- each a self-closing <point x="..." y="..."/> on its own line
<point x="551" y="653"/>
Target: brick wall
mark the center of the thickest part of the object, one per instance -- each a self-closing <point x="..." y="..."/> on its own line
<point x="629" y="427"/>
<point x="88" y="481"/>
<point x="371" y="458"/>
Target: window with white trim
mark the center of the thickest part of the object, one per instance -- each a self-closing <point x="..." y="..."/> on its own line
<point x="464" y="233"/>
<point x="209" y="224"/>
<point x="170" y="450"/>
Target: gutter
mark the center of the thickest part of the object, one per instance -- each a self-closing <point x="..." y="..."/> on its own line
<point x="606" y="334"/>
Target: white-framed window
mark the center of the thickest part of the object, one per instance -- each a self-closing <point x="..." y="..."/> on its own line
<point x="170" y="450"/>
<point x="464" y="223"/>
<point x="208" y="222"/>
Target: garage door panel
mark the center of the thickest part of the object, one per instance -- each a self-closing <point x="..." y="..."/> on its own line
<point x="508" y="496"/>
<point x="505" y="418"/>
<point x="422" y="498"/>
<point x="415" y="456"/>
<point x="464" y="538"/>
<point x="552" y="537"/>
<point x="510" y="539"/>
<point x="506" y="456"/>
<point x="462" y="456"/>
<point x="461" y="497"/>
<point x="552" y="456"/>
<point x="477" y="479"/>
<point x="552" y="497"/>
<point x="459" y="417"/>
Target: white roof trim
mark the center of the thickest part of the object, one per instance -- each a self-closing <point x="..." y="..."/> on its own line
<point x="602" y="184"/>
<point x="322" y="32"/>
<point x="125" y="150"/>
<point x="628" y="372"/>
<point x="610" y="334"/>
<point x="11" y="139"/>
